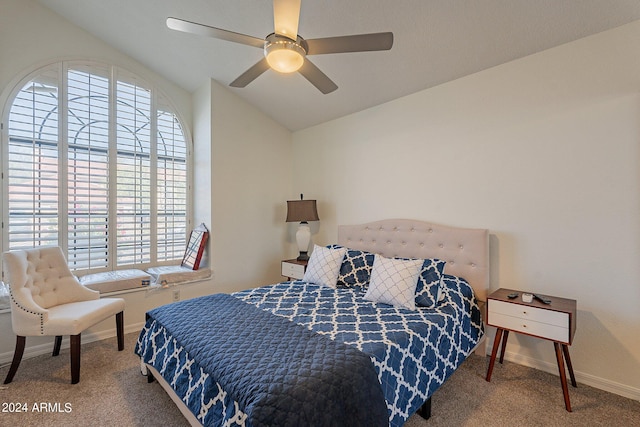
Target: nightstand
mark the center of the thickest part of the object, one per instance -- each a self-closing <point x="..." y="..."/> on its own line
<point x="293" y="269"/>
<point x="554" y="322"/>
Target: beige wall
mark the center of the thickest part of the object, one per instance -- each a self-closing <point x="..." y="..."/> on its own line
<point x="544" y="152"/>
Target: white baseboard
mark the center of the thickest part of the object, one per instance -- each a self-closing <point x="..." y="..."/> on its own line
<point x="37" y="350"/>
<point x="581" y="377"/>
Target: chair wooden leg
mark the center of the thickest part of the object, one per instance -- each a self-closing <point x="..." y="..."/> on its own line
<point x="56" y="345"/>
<point x="120" y="330"/>
<point x="17" y="357"/>
<point x="75" y="359"/>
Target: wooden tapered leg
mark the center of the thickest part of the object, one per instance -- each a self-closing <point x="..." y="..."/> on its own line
<point x="56" y="345"/>
<point x="494" y="351"/>
<point x="505" y="337"/>
<point x="567" y="358"/>
<point x="563" y="376"/>
<point x="75" y="359"/>
<point x="17" y="357"/>
<point x="120" y="330"/>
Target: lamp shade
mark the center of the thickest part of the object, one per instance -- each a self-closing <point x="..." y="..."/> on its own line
<point x="302" y="211"/>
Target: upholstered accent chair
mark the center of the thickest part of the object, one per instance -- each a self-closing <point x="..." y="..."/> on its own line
<point x="48" y="300"/>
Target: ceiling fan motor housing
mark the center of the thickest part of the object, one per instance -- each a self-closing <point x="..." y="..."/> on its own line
<point x="284" y="54"/>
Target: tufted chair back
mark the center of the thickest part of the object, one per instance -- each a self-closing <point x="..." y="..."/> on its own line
<point x="39" y="280"/>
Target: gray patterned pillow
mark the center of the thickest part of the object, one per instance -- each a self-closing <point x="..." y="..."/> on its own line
<point x="393" y="281"/>
<point x="324" y="266"/>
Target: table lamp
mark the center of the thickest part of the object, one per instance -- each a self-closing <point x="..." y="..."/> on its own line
<point x="302" y="211"/>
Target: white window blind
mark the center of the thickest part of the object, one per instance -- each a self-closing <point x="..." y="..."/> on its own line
<point x="94" y="166"/>
<point x="32" y="172"/>
<point x="88" y="168"/>
<point x="133" y="124"/>
<point x="171" y="187"/>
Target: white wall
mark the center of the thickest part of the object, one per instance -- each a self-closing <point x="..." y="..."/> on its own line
<point x="542" y="151"/>
<point x="242" y="165"/>
<point x="249" y="157"/>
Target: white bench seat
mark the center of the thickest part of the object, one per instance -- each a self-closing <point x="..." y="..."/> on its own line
<point x="176" y="274"/>
<point x="112" y="281"/>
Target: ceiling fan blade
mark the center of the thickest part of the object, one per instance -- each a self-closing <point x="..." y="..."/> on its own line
<point x="355" y="43"/>
<point x="286" y="14"/>
<point x="205" y="30"/>
<point x="251" y="74"/>
<point x="317" y="77"/>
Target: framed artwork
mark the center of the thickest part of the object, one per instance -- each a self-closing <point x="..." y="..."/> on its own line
<point x="195" y="247"/>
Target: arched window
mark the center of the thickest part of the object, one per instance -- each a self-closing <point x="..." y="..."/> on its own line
<point x="97" y="162"/>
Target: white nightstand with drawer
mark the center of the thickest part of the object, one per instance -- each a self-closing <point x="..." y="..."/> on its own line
<point x="555" y="322"/>
<point x="293" y="268"/>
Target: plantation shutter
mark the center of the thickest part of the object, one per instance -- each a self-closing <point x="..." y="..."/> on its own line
<point x="133" y="175"/>
<point x="88" y="168"/>
<point x="32" y="172"/>
<point x="171" y="187"/>
<point x="97" y="163"/>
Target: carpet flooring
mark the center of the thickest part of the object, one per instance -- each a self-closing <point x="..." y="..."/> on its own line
<point x="112" y="392"/>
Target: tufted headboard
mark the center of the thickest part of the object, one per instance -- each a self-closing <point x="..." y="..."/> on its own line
<point x="466" y="250"/>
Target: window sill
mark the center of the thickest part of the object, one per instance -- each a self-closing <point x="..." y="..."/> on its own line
<point x="147" y="289"/>
<point x="153" y="288"/>
<point x="123" y="281"/>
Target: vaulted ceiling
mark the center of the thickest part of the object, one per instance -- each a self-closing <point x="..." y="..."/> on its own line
<point x="435" y="41"/>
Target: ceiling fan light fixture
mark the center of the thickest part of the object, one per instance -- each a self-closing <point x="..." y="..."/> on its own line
<point x="283" y="54"/>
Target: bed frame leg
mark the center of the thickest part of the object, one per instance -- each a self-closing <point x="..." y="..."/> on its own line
<point x="150" y="377"/>
<point x="425" y="409"/>
<point x="146" y="372"/>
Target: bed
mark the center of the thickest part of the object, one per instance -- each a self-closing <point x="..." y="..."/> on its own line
<point x="304" y="353"/>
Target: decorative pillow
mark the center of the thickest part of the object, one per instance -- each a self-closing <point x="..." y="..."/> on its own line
<point x="324" y="266"/>
<point x="428" y="288"/>
<point x="393" y="281"/>
<point x="356" y="267"/>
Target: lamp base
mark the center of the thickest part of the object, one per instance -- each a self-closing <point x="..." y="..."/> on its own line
<point x="303" y="238"/>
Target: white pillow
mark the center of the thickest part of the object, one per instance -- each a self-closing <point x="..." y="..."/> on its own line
<point x="324" y="266"/>
<point x="393" y="281"/>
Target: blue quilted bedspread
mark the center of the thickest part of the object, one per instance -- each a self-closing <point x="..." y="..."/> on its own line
<point x="412" y="352"/>
<point x="278" y="372"/>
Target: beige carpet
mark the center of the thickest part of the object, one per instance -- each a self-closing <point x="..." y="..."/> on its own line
<point x="112" y="392"/>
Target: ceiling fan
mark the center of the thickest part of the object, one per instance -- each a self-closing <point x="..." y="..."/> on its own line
<point x="285" y="50"/>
